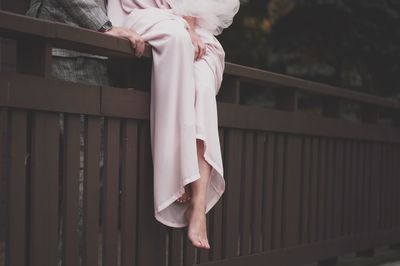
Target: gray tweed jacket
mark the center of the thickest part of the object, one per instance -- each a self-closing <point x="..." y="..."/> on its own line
<point x="90" y="14"/>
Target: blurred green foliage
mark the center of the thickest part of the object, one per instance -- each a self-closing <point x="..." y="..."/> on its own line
<point x="353" y="44"/>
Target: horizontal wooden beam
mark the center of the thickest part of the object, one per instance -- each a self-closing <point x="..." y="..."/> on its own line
<point x="306" y="86"/>
<point x="314" y="252"/>
<point x="28" y="92"/>
<point x="16" y="26"/>
<point x="257" y="118"/>
<point x="64" y="36"/>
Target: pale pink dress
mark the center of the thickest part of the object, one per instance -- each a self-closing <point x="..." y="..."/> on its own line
<point x="183" y="105"/>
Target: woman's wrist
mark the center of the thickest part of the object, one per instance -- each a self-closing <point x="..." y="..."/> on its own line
<point x="191" y="21"/>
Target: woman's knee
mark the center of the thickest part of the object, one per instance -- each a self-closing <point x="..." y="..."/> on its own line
<point x="178" y="35"/>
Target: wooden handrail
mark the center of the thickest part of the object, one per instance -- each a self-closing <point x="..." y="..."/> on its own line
<point x="307" y="86"/>
<point x="17" y="26"/>
<point x="64" y="36"/>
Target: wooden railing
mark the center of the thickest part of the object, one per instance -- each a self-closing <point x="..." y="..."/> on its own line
<point x="304" y="183"/>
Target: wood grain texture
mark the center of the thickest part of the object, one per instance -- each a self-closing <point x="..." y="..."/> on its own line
<point x="44" y="187"/>
<point x="91" y="196"/>
<point x="70" y="175"/>
<point x="17" y="185"/>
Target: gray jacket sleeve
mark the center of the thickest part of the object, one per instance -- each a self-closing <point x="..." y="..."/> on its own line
<point x="86" y="13"/>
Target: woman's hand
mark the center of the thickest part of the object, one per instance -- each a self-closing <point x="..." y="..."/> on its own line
<point x="199" y="46"/>
<point x="137" y="42"/>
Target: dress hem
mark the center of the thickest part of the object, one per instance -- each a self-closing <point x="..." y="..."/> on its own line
<point x="189" y="180"/>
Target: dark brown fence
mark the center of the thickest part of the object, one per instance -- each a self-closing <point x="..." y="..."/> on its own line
<point x="312" y="171"/>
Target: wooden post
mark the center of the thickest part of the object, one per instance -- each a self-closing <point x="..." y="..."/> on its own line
<point x="1" y="50"/>
<point x="286" y="99"/>
<point x="34" y="57"/>
<point x="4" y="170"/>
<point x="230" y="90"/>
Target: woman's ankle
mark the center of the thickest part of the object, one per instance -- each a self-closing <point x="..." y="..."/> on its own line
<point x="198" y="204"/>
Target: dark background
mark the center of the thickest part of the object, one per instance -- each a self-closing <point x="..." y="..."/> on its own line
<point x="353" y="44"/>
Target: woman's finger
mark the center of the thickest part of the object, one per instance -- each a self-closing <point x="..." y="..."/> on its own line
<point x="197" y="51"/>
<point x="136" y="44"/>
<point x="201" y="50"/>
<point x="140" y="45"/>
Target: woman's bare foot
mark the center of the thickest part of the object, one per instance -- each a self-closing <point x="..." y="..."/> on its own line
<point x="197" y="229"/>
<point x="185" y="197"/>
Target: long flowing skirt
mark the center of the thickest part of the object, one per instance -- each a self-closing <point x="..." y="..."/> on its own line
<point x="183" y="109"/>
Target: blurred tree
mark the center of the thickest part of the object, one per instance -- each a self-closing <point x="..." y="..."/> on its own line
<point x="349" y="43"/>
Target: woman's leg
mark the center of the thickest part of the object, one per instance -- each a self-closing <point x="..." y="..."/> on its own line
<point x="196" y="212"/>
<point x="186" y="196"/>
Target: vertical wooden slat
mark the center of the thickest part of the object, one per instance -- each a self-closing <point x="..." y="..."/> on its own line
<point x="246" y="194"/>
<point x="392" y="187"/>
<point x="391" y="183"/>
<point x="365" y="203"/>
<point x="17" y="209"/>
<point x="393" y="207"/>
<point x="5" y="184"/>
<point x="291" y="204"/>
<point x="233" y="157"/>
<point x="386" y="202"/>
<point x="278" y="192"/>
<point x="216" y="214"/>
<point x="91" y="194"/>
<point x="356" y="186"/>
<point x="71" y="149"/>
<point x="330" y="188"/>
<point x="369" y="196"/>
<point x="364" y="191"/>
<point x="268" y="188"/>
<point x="380" y="182"/>
<point x="305" y="191"/>
<point x="257" y="198"/>
<point x="322" y="190"/>
<point x="314" y="189"/>
<point x="151" y="235"/>
<point x="44" y="189"/>
<point x="397" y="185"/>
<point x="203" y="255"/>
<point x="189" y="251"/>
<point x="382" y="187"/>
<point x="360" y="187"/>
<point x="339" y="192"/>
<point x="175" y="246"/>
<point x="129" y="192"/>
<point x="375" y="184"/>
<point x="347" y="187"/>
<point x="110" y="192"/>
<point x="385" y="177"/>
<point x="353" y="189"/>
